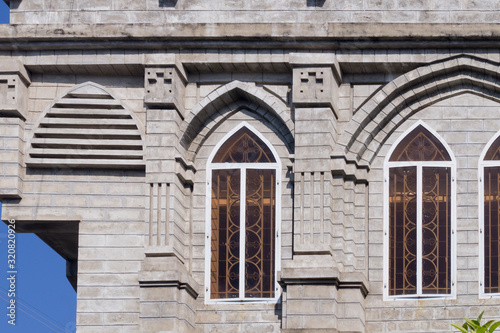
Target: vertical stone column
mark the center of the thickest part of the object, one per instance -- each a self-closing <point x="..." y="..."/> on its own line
<point x="167" y="174"/>
<point x="310" y="280"/>
<point x="14" y="83"/>
<point x="168" y="292"/>
<point x="316" y="80"/>
<point x="12" y="157"/>
<point x="350" y="241"/>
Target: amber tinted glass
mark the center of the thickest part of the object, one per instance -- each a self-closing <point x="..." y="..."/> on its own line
<point x="420" y="145"/>
<point x="403" y="231"/>
<point x="244" y="147"/>
<point x="259" y="231"/>
<point x="435" y="230"/>
<point x="259" y="225"/>
<point x="491" y="229"/>
<point x="494" y="152"/>
<point x="225" y="247"/>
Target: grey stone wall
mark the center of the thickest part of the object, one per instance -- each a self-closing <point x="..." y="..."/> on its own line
<point x="262" y="11"/>
<point x="330" y="98"/>
<point x="466" y="123"/>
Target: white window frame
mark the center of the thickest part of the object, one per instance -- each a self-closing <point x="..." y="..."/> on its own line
<point x="243" y="167"/>
<point x="481" y="165"/>
<point x="419" y="165"/>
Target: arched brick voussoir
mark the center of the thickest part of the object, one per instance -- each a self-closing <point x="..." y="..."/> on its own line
<point x="411" y="92"/>
<point x="466" y="88"/>
<point x="412" y="79"/>
<point x="225" y="101"/>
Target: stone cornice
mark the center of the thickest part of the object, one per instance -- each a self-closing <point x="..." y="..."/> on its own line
<point x="324" y="276"/>
<point x="307" y="35"/>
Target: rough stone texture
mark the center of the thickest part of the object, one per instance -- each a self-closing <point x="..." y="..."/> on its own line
<point x="168" y="295"/>
<point x="14" y="80"/>
<point x="262" y="11"/>
<point x="165" y="87"/>
<point x="12" y="156"/>
<point x="464" y="123"/>
<point x="331" y="85"/>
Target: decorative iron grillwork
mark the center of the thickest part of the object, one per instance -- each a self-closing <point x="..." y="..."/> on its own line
<point x="225" y="233"/>
<point x="403" y="231"/>
<point x="257" y="278"/>
<point x="491" y="232"/>
<point x="259" y="247"/>
<point x="420" y="145"/>
<point x="244" y="147"/>
<point x="436" y="265"/>
<point x="419" y="264"/>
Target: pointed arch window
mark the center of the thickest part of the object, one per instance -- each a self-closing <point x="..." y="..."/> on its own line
<point x="490" y="222"/>
<point x="243" y="186"/>
<point x="420" y="215"/>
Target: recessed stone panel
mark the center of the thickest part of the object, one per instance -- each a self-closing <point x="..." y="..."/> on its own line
<point x="14" y="82"/>
<point x="165" y="88"/>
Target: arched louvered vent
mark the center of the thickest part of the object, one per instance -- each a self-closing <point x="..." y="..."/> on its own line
<point x="87" y="128"/>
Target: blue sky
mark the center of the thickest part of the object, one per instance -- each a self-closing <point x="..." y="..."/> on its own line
<point x="4" y="12"/>
<point x="45" y="300"/>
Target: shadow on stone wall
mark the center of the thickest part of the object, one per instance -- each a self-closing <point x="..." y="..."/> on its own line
<point x="315" y="3"/>
<point x="172" y="3"/>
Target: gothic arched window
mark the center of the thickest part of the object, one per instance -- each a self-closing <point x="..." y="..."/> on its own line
<point x="243" y="181"/>
<point x="489" y="170"/>
<point x="419" y="187"/>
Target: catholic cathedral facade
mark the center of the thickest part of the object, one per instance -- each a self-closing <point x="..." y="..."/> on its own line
<point x="258" y="166"/>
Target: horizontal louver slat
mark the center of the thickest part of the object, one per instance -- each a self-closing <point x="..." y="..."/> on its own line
<point x="79" y="122"/>
<point x="84" y="143"/>
<point x="86" y="132"/>
<point x="88" y="153"/>
<point x="87" y="163"/>
<point x="87" y="128"/>
<point x="88" y="102"/>
<point x="90" y="113"/>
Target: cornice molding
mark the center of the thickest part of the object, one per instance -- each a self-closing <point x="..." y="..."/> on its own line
<point x="306" y="35"/>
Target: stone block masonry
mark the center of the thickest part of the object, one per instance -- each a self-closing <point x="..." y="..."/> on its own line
<point x="115" y="117"/>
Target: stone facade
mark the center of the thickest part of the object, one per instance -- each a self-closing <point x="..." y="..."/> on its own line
<point x="111" y="111"/>
<point x="260" y="11"/>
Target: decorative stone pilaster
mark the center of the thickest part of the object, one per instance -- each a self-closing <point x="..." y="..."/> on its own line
<point x="165" y="82"/>
<point x="312" y="211"/>
<point x="322" y="299"/>
<point x="168" y="175"/>
<point x="12" y="164"/>
<point x="318" y="296"/>
<point x="14" y="82"/>
<point x="313" y="86"/>
<point x="168" y="296"/>
<point x="316" y="79"/>
<point x="168" y="291"/>
<point x="169" y="214"/>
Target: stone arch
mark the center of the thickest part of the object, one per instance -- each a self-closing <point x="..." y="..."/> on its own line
<point x="220" y="104"/>
<point x="409" y="93"/>
<point x="87" y="127"/>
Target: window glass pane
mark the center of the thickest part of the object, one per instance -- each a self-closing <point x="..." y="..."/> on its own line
<point x="244" y="147"/>
<point x="494" y="151"/>
<point x="259" y="231"/>
<point x="402" y="231"/>
<point x="436" y="266"/>
<point x="491" y="229"/>
<point x="225" y="247"/>
<point x="420" y="145"/>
